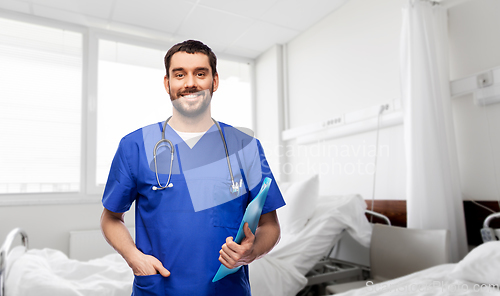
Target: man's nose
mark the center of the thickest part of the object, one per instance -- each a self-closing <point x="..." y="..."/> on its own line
<point x="190" y="81"/>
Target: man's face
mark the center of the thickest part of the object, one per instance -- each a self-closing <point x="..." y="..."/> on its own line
<point x="190" y="83"/>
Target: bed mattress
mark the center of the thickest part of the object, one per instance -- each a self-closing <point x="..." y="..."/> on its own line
<point x="436" y="280"/>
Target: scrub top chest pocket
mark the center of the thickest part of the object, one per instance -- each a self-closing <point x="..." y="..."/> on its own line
<point x="229" y="208"/>
<point x="173" y="199"/>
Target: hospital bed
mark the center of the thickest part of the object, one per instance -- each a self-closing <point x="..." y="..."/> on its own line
<point x="476" y="274"/>
<point x="302" y="256"/>
<point x="282" y="272"/>
<point x="285" y="271"/>
<point x="49" y="272"/>
<point x="347" y="261"/>
<point x="5" y="251"/>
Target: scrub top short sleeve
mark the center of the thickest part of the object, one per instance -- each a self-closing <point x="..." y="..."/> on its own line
<point x="274" y="199"/>
<point x="120" y="191"/>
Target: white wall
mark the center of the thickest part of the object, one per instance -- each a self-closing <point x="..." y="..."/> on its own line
<point x="350" y="61"/>
<point x="346" y="62"/>
<point x="269" y="96"/>
<point x="474" y="30"/>
<point x="48" y="226"/>
<point x="346" y="165"/>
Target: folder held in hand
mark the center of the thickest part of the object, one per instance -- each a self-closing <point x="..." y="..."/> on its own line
<point x="252" y="216"/>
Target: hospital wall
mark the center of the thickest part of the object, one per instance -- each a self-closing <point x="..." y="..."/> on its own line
<point x="474" y="48"/>
<point x="267" y="123"/>
<point x="48" y="226"/>
<point x="350" y="61"/>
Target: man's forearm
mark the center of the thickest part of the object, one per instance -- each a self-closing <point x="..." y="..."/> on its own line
<point x="117" y="235"/>
<point x="266" y="237"/>
<point x="267" y="234"/>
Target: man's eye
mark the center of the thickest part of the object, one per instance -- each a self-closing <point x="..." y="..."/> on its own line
<point x="201" y="74"/>
<point x="179" y="75"/>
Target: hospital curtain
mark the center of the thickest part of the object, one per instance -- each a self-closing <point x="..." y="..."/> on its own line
<point x="434" y="199"/>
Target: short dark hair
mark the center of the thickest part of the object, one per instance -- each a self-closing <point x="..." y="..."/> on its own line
<point x="192" y="46"/>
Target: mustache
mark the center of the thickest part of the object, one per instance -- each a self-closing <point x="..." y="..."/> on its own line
<point x="191" y="91"/>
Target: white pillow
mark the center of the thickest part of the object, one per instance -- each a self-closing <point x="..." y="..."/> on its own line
<point x="481" y="265"/>
<point x="300" y="198"/>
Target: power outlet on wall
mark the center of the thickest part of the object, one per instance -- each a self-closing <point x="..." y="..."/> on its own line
<point x="333" y="122"/>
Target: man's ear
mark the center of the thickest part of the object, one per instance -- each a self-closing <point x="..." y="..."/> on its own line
<point x="216" y="81"/>
<point x="166" y="83"/>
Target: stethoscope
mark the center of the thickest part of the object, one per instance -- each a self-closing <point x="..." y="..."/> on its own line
<point x="234" y="188"/>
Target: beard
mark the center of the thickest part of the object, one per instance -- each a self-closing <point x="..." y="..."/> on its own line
<point x="192" y="109"/>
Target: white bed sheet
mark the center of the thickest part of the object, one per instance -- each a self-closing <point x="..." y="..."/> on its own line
<point x="49" y="272"/>
<point x="282" y="271"/>
<point x="432" y="281"/>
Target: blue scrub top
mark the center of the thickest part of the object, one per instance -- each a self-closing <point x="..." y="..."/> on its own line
<point x="185" y="226"/>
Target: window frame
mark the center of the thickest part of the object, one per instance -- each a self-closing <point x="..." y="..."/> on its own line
<point x="89" y="191"/>
<point x="95" y="35"/>
<point x="54" y="197"/>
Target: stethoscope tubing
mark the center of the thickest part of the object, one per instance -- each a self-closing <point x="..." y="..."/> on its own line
<point x="234" y="186"/>
<point x="225" y="149"/>
<point x="158" y="145"/>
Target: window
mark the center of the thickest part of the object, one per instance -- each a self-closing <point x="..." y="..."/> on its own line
<point x="232" y="102"/>
<point x="130" y="95"/>
<point x="40" y="108"/>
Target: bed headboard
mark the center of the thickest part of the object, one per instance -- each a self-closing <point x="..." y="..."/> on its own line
<point x="395" y="210"/>
<point x="474" y="218"/>
<point x="474" y="215"/>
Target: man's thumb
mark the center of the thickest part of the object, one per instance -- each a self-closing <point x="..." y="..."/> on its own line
<point x="162" y="270"/>
<point x="247" y="230"/>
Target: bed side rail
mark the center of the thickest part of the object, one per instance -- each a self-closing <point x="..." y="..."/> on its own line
<point x="329" y="269"/>
<point x="378" y="215"/>
<point x="488" y="219"/>
<point x="488" y="233"/>
<point x="4" y="252"/>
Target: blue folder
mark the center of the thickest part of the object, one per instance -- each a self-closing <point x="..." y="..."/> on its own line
<point x="252" y="216"/>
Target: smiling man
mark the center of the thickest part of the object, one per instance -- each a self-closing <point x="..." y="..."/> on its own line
<point x="190" y="93"/>
<point x="191" y="179"/>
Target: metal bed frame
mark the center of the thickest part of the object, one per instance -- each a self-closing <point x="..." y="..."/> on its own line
<point x="334" y="270"/>
<point x="4" y="252"/>
<point x="488" y="233"/>
<point x="489" y="218"/>
<point x="329" y="270"/>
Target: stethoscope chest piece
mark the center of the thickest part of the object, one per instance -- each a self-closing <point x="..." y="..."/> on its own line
<point x="235" y="187"/>
<point x="170" y="185"/>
